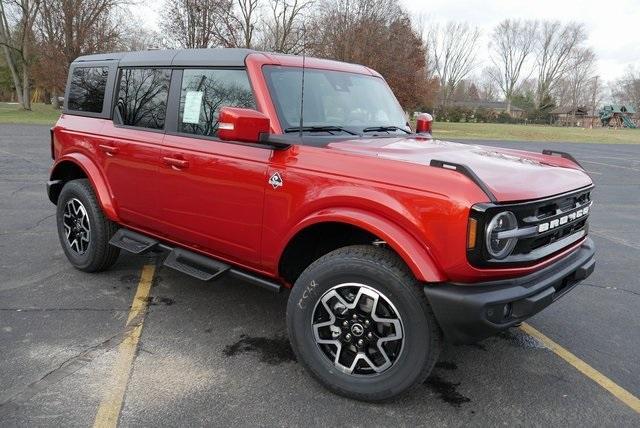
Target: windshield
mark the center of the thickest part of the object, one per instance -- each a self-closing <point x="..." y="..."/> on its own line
<point x="335" y="99"/>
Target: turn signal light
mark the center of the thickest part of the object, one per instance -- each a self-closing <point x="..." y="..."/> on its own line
<point x="472" y="230"/>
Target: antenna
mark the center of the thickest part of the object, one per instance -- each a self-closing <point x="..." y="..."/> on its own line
<point x="304" y="48"/>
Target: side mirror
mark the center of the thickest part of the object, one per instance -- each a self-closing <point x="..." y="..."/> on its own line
<point x="424" y="122"/>
<point x="242" y="124"/>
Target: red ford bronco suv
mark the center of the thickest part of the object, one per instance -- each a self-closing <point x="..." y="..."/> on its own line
<point x="304" y="174"/>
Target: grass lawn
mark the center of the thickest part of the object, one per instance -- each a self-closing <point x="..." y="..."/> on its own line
<point x="499" y="131"/>
<point x="41" y="114"/>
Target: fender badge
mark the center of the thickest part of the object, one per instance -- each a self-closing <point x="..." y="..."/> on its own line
<point x="276" y="180"/>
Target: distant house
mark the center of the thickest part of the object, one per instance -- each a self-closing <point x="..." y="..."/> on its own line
<point x="571" y="116"/>
<point x="618" y="115"/>
<point x="496" y="107"/>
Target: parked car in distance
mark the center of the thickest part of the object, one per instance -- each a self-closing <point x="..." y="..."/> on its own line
<point x="389" y="241"/>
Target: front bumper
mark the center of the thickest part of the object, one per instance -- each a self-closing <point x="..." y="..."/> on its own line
<point x="468" y="313"/>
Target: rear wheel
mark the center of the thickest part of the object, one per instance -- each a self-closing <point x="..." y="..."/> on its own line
<point x="359" y="323"/>
<point x="83" y="229"/>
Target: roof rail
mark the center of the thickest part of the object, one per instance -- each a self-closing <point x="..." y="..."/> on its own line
<point x="465" y="170"/>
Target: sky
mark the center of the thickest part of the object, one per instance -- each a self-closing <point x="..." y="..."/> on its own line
<point x="613" y="26"/>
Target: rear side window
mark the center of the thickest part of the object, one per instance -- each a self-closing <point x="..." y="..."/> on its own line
<point x="142" y="97"/>
<point x="86" y="92"/>
<point x="204" y="92"/>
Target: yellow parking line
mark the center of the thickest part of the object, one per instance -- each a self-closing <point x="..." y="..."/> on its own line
<point x="109" y="410"/>
<point x="616" y="390"/>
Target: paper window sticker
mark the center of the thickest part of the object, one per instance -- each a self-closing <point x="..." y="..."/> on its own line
<point x="192" y="107"/>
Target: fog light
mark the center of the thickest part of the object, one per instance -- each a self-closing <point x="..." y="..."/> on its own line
<point x="506" y="310"/>
<point x="499" y="313"/>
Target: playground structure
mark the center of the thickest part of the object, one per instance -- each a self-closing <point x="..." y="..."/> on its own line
<point x="617" y="116"/>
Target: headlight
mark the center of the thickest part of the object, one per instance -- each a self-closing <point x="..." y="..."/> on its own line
<point x="499" y="246"/>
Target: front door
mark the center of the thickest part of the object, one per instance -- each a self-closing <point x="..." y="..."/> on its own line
<point x="211" y="193"/>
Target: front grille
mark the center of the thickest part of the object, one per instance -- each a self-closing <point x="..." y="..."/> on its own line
<point x="552" y="237"/>
<point x="554" y="224"/>
<point x="545" y="212"/>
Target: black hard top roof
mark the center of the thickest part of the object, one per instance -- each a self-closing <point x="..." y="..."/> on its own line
<point x="227" y="57"/>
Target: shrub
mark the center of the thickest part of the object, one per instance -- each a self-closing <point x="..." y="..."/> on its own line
<point x="482" y="115"/>
<point x="504" y="117"/>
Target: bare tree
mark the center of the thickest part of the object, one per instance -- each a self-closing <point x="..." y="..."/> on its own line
<point x="136" y="38"/>
<point x="512" y="42"/>
<point x="555" y="49"/>
<point x="595" y="91"/>
<point x="210" y="23"/>
<point x="235" y="23"/>
<point x="378" y="34"/>
<point x="579" y="75"/>
<point x="67" y="29"/>
<point x="627" y="89"/>
<point x="16" y="36"/>
<point x="284" y="26"/>
<point x="191" y="23"/>
<point x="247" y="19"/>
<point x="487" y="89"/>
<point x="225" y="27"/>
<point x="454" y="49"/>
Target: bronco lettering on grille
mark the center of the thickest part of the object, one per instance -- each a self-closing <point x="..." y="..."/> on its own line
<point x="543" y="227"/>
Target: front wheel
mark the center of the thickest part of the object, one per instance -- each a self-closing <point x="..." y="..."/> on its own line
<point x="360" y="324"/>
<point x="83" y="229"/>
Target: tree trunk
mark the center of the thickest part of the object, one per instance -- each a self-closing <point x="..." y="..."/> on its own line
<point x="26" y="89"/>
<point x="14" y="73"/>
<point x="26" y="85"/>
<point x="54" y="99"/>
<point x="509" y="106"/>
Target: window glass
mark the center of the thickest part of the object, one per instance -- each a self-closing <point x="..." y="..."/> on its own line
<point x="204" y="92"/>
<point x="86" y="92"/>
<point x="333" y="98"/>
<point x="142" y="97"/>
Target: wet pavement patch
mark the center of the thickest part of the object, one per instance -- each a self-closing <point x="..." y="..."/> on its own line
<point x="479" y="346"/>
<point x="274" y="350"/>
<point x="518" y="338"/>
<point x="130" y="279"/>
<point x="446" y="365"/>
<point x="159" y="300"/>
<point x="447" y="391"/>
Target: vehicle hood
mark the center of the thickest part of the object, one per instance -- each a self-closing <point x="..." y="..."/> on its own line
<point x="511" y="175"/>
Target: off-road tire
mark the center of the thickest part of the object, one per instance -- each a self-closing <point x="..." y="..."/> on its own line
<point x="382" y="270"/>
<point x="99" y="255"/>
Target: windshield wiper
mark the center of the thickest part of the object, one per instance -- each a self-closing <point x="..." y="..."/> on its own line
<point x="385" y="129"/>
<point x="328" y="128"/>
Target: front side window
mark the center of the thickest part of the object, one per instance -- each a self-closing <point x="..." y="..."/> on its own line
<point x="86" y="91"/>
<point x="142" y="97"/>
<point x="333" y="98"/>
<point x="204" y="92"/>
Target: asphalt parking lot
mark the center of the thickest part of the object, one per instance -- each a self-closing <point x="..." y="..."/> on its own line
<point x="217" y="354"/>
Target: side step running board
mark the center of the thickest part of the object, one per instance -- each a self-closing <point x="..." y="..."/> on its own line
<point x="133" y="242"/>
<point x="201" y="267"/>
<point x="185" y="261"/>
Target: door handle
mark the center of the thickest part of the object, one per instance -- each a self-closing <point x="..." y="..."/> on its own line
<point x="109" y="150"/>
<point x="176" y="163"/>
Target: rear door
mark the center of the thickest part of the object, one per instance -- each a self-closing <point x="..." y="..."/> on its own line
<point x="212" y="192"/>
<point x="131" y="154"/>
